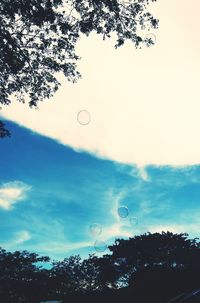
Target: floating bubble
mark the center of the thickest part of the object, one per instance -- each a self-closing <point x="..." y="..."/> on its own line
<point x="150" y="39"/>
<point x="120" y="264"/>
<point x="95" y="229"/>
<point x="100" y="246"/>
<point x="123" y="211"/>
<point x="83" y="117"/>
<point x="133" y="221"/>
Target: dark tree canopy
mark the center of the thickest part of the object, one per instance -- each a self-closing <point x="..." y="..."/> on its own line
<point x="3" y="131"/>
<point x="38" y="40"/>
<point x="167" y="250"/>
<point x="18" y="275"/>
<point x="147" y="268"/>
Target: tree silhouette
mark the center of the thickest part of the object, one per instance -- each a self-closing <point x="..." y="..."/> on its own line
<point x="18" y="275"/>
<point x="165" y="249"/>
<point x="38" y="40"/>
<point x="147" y="268"/>
<point x="158" y="266"/>
<point x="70" y="275"/>
<point x="3" y="131"/>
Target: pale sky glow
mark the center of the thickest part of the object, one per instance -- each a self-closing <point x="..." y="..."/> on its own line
<point x="144" y="104"/>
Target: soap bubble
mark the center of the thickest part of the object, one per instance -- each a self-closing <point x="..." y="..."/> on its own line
<point x="133" y="221"/>
<point x="150" y="39"/>
<point x="100" y="246"/>
<point x="120" y="264"/>
<point x="83" y="117"/>
<point x="95" y="229"/>
<point x="123" y="211"/>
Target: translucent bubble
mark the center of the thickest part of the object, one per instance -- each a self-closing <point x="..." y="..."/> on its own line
<point x="120" y="264"/>
<point x="95" y="229"/>
<point x="100" y="246"/>
<point x="133" y="221"/>
<point x="83" y="117"/>
<point x="150" y="38"/>
<point x="123" y="211"/>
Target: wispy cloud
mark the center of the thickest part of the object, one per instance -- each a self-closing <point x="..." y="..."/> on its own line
<point x="22" y="237"/>
<point x="142" y="173"/>
<point x="19" y="238"/>
<point x="145" y="207"/>
<point x="11" y="193"/>
<point x="115" y="200"/>
<point x="119" y="227"/>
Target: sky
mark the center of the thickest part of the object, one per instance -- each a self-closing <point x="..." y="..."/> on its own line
<point x="60" y="173"/>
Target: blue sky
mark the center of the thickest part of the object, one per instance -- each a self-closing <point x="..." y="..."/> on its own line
<point x="50" y="194"/>
<point x="141" y="148"/>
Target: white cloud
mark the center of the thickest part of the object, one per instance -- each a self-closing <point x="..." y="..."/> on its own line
<point x="144" y="104"/>
<point x="11" y="193"/>
<point x="19" y="238"/>
<point x="22" y="237"/>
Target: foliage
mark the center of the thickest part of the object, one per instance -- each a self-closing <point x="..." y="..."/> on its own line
<point x="38" y="40"/>
<point x="74" y="275"/>
<point x="18" y="275"/>
<point x="154" y="266"/>
<point x="159" y="249"/>
<point x="3" y="131"/>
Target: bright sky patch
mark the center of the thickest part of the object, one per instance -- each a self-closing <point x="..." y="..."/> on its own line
<point x="11" y="193"/>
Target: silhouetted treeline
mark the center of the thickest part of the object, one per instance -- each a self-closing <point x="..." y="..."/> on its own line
<point x="147" y="268"/>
